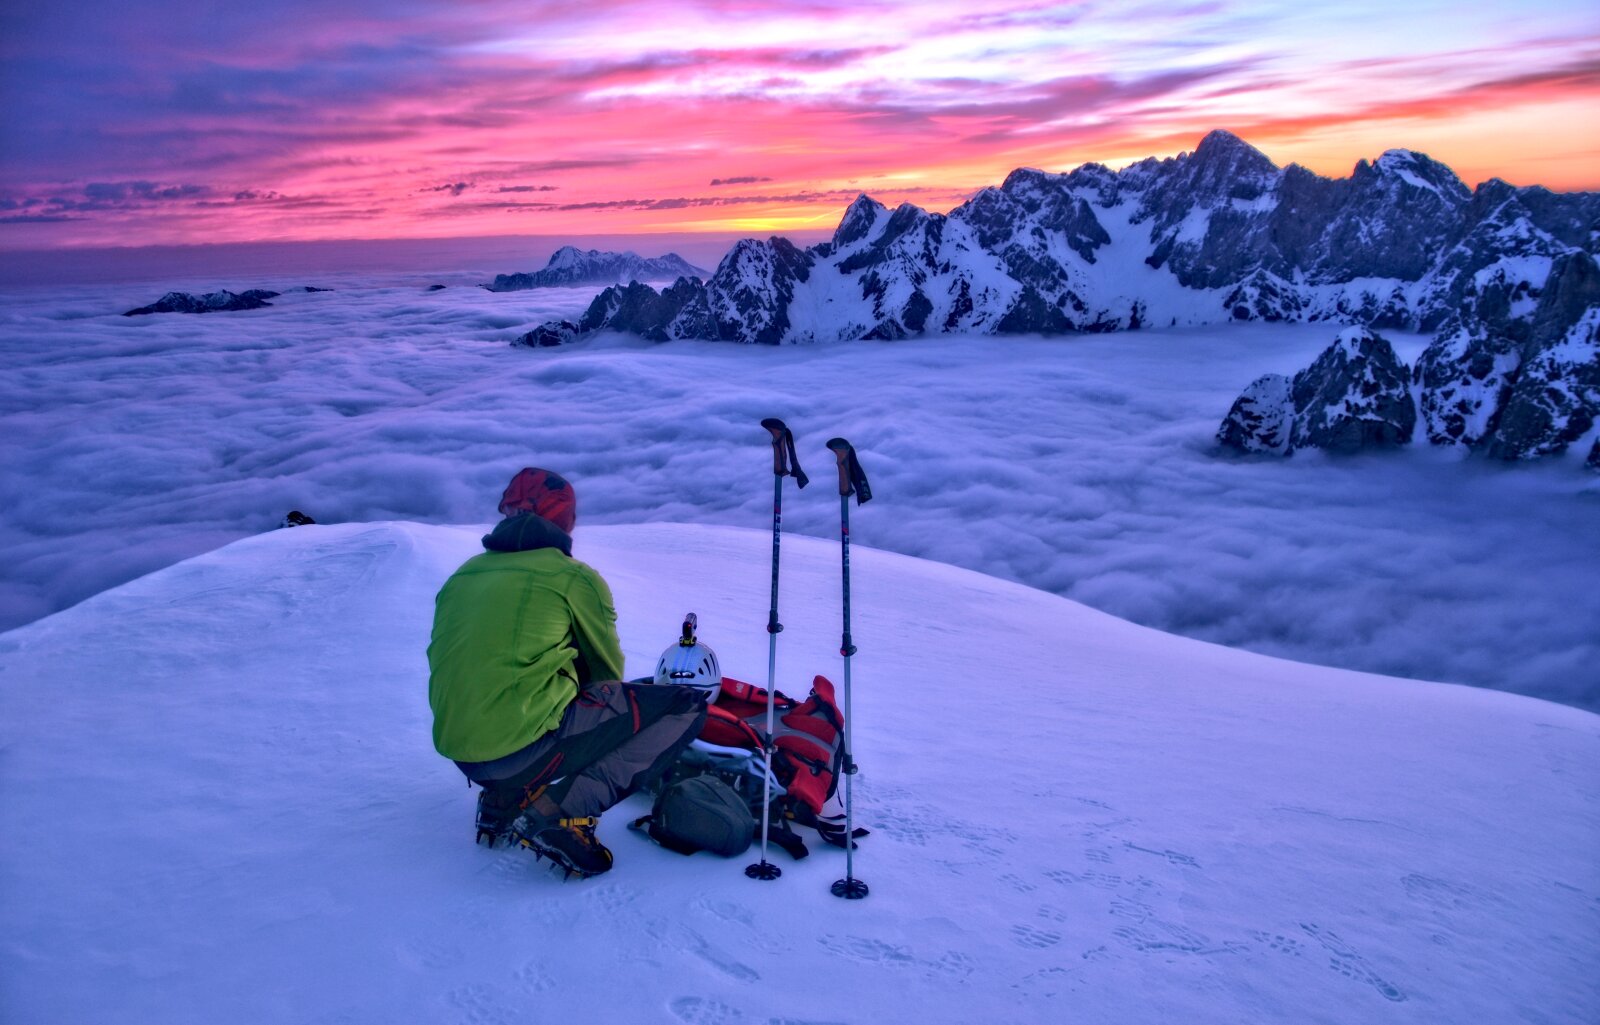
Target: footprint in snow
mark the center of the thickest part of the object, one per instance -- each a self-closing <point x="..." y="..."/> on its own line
<point x="533" y="977"/>
<point x="1044" y="982"/>
<point x="613" y="899"/>
<point x="481" y="1005"/>
<point x="867" y="951"/>
<point x="1018" y="883"/>
<point x="1350" y="964"/>
<point x="1174" y="857"/>
<point x="952" y="964"/>
<point x="1159" y="937"/>
<point x="1125" y="907"/>
<point x="704" y="1011"/>
<point x="697" y="945"/>
<point x="1037" y="939"/>
<point x="1282" y="944"/>
<point x="1445" y="896"/>
<point x="727" y="911"/>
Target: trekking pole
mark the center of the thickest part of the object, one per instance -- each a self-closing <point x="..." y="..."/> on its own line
<point x="852" y="480"/>
<point x="784" y="464"/>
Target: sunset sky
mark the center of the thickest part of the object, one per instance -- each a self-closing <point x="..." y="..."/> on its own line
<point x="133" y="123"/>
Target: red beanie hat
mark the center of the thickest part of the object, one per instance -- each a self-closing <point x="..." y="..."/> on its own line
<point x="543" y="493"/>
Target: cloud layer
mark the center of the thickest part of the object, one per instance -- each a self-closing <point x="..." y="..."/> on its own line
<point x="1084" y="466"/>
<point x="160" y="124"/>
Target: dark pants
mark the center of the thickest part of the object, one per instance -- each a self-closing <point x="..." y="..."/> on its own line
<point x="613" y="739"/>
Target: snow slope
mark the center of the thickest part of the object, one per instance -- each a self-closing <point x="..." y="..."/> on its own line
<point x="220" y="804"/>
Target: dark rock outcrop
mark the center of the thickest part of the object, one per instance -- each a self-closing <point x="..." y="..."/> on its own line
<point x="1462" y="380"/>
<point x="1555" y="398"/>
<point x="210" y="302"/>
<point x="632" y="308"/>
<point x="750" y="295"/>
<point x="1354" y="397"/>
<point x="545" y="336"/>
<point x="1262" y="418"/>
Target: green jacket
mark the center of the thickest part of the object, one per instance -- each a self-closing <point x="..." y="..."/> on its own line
<point x="515" y="631"/>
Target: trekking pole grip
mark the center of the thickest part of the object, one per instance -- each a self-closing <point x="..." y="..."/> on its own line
<point x="785" y="462"/>
<point x="852" y="479"/>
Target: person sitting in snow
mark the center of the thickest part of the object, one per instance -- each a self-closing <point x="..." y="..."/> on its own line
<point x="524" y="685"/>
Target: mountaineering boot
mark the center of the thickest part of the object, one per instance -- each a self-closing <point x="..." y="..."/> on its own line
<point x="495" y="812"/>
<point x="570" y="843"/>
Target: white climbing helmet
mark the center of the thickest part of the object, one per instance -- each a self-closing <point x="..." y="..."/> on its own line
<point x="689" y="663"/>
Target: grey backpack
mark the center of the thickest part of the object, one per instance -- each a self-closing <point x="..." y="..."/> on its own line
<point x="700" y="813"/>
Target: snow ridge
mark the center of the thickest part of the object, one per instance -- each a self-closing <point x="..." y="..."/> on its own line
<point x="1186" y="833"/>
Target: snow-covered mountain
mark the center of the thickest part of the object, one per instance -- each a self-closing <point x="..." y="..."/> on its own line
<point x="1218" y="235"/>
<point x="570" y="267"/>
<point x="1354" y="396"/>
<point x="221" y="803"/>
<point x="1215" y="235"/>
<point x="1529" y="388"/>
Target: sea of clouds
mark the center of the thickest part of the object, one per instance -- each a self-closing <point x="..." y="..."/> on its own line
<point x="1085" y="465"/>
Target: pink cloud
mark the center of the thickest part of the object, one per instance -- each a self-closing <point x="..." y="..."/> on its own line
<point x="320" y="123"/>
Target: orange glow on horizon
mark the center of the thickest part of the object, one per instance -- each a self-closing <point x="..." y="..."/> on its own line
<point x="549" y="120"/>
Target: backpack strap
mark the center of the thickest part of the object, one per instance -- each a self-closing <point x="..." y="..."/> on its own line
<point x="646" y="824"/>
<point x="738" y="690"/>
<point x="782" y="835"/>
<point x="831" y="831"/>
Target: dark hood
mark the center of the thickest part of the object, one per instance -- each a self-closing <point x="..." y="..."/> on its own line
<point x="525" y="533"/>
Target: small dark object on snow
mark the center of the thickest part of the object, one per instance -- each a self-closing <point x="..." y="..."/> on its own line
<point x="296" y="518"/>
<point x="435" y="288"/>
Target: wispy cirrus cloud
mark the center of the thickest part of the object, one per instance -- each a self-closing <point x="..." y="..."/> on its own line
<point x="833" y="197"/>
<point x="386" y="114"/>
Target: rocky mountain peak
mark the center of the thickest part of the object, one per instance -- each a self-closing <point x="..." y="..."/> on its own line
<point x="858" y="221"/>
<point x="1029" y="179"/>
<point x="1354" y="396"/>
<point x="1223" y="157"/>
<point x="1572" y="287"/>
<point x="570" y="256"/>
<point x="1419" y="171"/>
<point x="761" y="258"/>
<point x="1213" y="235"/>
<point x="570" y="266"/>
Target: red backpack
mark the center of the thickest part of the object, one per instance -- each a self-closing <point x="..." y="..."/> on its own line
<point x="808" y="735"/>
<point x="809" y="754"/>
